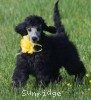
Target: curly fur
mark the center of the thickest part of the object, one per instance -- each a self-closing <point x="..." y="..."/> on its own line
<point x="57" y="51"/>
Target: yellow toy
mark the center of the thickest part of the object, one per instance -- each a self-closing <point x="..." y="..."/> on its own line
<point x="27" y="46"/>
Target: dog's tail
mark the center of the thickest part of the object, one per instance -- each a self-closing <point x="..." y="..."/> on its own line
<point x="57" y="21"/>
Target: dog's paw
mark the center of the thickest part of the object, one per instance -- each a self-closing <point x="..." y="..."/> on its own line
<point x="16" y="86"/>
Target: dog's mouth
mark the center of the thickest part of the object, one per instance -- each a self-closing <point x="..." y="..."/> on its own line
<point x="37" y="45"/>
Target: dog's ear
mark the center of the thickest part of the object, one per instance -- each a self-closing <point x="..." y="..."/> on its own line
<point x="50" y="29"/>
<point x="21" y="29"/>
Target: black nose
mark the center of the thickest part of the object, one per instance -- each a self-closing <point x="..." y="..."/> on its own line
<point x="34" y="39"/>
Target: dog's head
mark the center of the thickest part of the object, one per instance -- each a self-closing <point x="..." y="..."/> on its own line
<point x="34" y="27"/>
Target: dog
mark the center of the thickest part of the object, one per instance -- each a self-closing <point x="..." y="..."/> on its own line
<point x="57" y="52"/>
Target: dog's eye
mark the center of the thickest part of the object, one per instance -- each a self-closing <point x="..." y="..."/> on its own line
<point x="38" y="29"/>
<point x="29" y="30"/>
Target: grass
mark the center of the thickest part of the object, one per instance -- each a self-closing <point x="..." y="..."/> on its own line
<point x="76" y="17"/>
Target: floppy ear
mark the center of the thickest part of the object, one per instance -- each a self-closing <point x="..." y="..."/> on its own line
<point x="21" y="29"/>
<point x="50" y="29"/>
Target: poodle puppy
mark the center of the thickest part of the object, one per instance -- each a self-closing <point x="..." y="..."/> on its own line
<point x="57" y="51"/>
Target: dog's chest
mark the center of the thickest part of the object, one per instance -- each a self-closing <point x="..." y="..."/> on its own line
<point x="40" y="59"/>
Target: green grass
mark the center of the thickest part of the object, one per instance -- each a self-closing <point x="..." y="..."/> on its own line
<point x="76" y="17"/>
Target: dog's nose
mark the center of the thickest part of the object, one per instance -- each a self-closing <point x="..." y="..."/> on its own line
<point x="34" y="39"/>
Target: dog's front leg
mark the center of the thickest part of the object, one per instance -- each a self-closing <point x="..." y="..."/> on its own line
<point x="21" y="73"/>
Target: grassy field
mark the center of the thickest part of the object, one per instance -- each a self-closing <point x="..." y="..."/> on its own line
<point x="76" y="17"/>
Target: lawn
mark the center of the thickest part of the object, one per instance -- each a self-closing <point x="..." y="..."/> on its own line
<point x="76" y="17"/>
